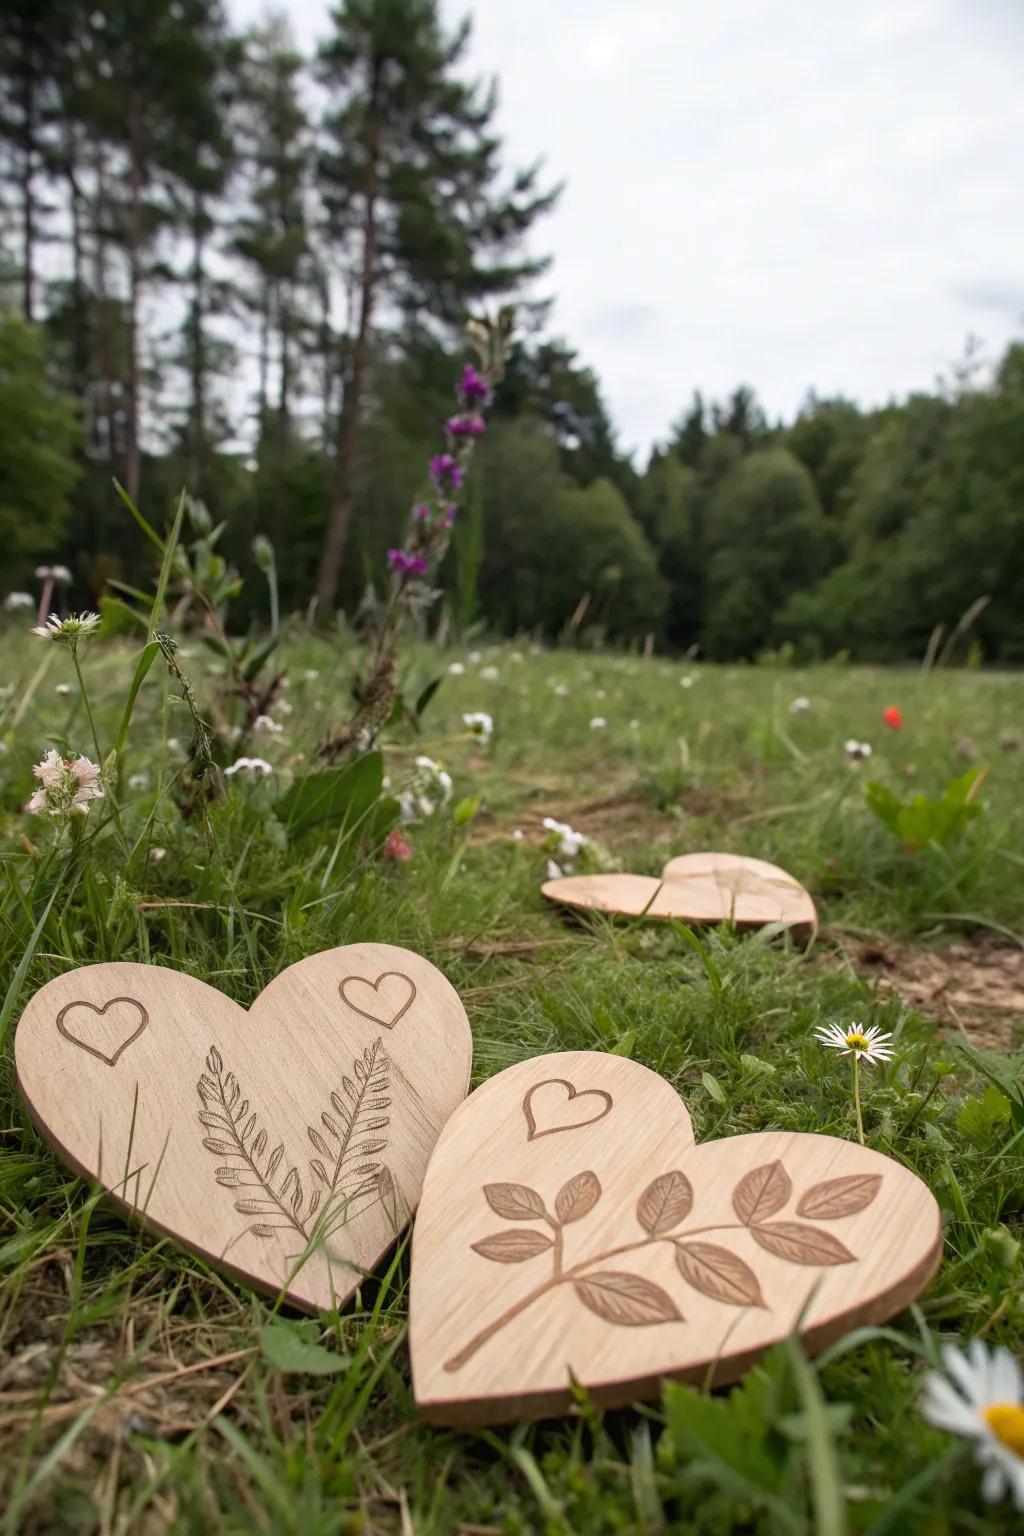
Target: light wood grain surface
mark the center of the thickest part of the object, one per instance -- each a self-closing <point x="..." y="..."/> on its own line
<point x="697" y="888"/>
<point x="286" y="1144"/>
<point x="600" y="1243"/>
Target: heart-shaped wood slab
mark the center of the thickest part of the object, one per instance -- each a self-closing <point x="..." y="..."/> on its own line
<point x="696" y="888"/>
<point x="619" y="1252"/>
<point x="286" y="1144"/>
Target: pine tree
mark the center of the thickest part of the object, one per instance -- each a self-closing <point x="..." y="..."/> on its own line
<point x="410" y="178"/>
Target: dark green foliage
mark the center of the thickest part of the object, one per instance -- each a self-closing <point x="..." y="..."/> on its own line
<point x="38" y="437"/>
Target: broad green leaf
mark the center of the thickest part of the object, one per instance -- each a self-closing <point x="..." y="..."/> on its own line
<point x="345" y="794"/>
<point x="293" y="1346"/>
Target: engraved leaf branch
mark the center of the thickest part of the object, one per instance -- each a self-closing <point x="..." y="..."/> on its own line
<point x="631" y="1300"/>
<point x="345" y="1171"/>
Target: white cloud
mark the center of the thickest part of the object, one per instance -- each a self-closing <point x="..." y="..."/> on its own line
<point x="788" y="195"/>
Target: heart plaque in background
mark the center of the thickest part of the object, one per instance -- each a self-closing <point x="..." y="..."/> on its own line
<point x="286" y="1144"/>
<point x="617" y="1252"/>
<point x="696" y="888"/>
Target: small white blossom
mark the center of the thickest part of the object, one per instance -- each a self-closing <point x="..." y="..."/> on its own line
<point x="800" y="705"/>
<point x="284" y="708"/>
<point x="156" y="854"/>
<point x="602" y="693"/>
<point x="687" y="681"/>
<point x="58" y="573"/>
<point x="560" y="690"/>
<point x="598" y="723"/>
<point x="62" y="690"/>
<point x="475" y="656"/>
<point x="269" y="724"/>
<point x="518" y="835"/>
<point x="634" y="725"/>
<point x="138" y="781"/>
<point x="554" y="872"/>
<point x="77" y="626"/>
<point x="490" y="673"/>
<point x="857" y="751"/>
<point x="456" y="669"/>
<point x="563" y="839"/>
<point x="480" y="723"/>
<point x="19" y="600"/>
<point x="253" y="765"/>
<point x="311" y="674"/>
<point x="516" y="656"/>
<point x="981" y="1398"/>
<point x="867" y="1044"/>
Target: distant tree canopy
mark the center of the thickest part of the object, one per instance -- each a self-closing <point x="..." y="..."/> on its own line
<point x="212" y="275"/>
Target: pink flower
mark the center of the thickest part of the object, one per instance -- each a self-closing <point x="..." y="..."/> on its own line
<point x="396" y="847"/>
<point x="465" y="426"/>
<point x="405" y="564"/>
<point x="67" y="784"/>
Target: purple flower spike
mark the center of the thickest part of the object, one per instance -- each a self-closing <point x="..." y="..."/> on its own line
<point x="465" y="426"/>
<point x="405" y="564"/>
<point x="446" y="473"/>
<point x="473" y="388"/>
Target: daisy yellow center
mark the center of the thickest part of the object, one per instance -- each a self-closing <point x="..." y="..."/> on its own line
<point x="859" y="1041"/>
<point x="1006" y="1421"/>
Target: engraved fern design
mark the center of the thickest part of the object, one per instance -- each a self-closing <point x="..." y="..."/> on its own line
<point x="346" y="1170"/>
<point x="630" y="1300"/>
<point x="236" y="1136"/>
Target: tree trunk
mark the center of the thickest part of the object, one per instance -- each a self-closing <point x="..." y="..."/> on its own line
<point x="197" y="355"/>
<point x="132" y="451"/>
<point x="28" y="201"/>
<point x="106" y="354"/>
<point x="80" y="350"/>
<point x="351" y="416"/>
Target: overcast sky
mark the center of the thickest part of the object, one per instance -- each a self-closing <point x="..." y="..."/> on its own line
<point x="787" y="194"/>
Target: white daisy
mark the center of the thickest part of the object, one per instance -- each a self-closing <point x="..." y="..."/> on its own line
<point x="62" y="690"/>
<point x="456" y="669"/>
<point x="480" y="723"/>
<point x="800" y="705"/>
<point x="869" y="1044"/>
<point x="598" y="723"/>
<point x="982" y="1398"/>
<point x="687" y="681"/>
<point x="857" y="751"/>
<point x="490" y="673"/>
<point x="253" y="765"/>
<point x="19" y="600"/>
<point x="77" y="626"/>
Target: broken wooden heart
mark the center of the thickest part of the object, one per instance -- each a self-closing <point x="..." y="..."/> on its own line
<point x="696" y="888"/>
<point x="286" y="1144"/>
<point x="622" y="1253"/>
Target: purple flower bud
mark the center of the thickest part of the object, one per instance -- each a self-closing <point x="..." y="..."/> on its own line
<point x="447" y="474"/>
<point x="465" y="426"/>
<point x="405" y="564"/>
<point x="421" y="512"/>
<point x="473" y="387"/>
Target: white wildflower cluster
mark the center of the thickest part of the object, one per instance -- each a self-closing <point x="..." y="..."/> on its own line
<point x="57" y="573"/>
<point x="800" y="705"/>
<point x="66" y="786"/>
<point x="430" y="788"/>
<point x="598" y="723"/>
<point x="564" y="842"/>
<point x="15" y="600"/>
<point x="857" y="751"/>
<point x="457" y="668"/>
<point x="255" y="767"/>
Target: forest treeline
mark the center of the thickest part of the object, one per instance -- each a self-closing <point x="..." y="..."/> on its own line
<point x="229" y="267"/>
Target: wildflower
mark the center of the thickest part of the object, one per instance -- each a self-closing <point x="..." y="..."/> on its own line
<point x="800" y="705"/>
<point x="77" y="626"/>
<point x="476" y="656"/>
<point x="687" y="681"/>
<point x="19" y="600"/>
<point x="59" y="573"/>
<point x="253" y="765"/>
<point x="405" y="564"/>
<point x="634" y="725"/>
<point x="473" y="387"/>
<point x="431" y="787"/>
<point x="311" y="674"/>
<point x="436" y="775"/>
<point x="465" y="426"/>
<point x="560" y="690"/>
<point x="518" y="835"/>
<point x="456" y="669"/>
<point x="396" y="847"/>
<point x="554" y="871"/>
<point x="869" y="1044"/>
<point x="602" y="693"/>
<point x="893" y="717"/>
<point x="480" y="723"/>
<point x="62" y="690"/>
<point x="857" y="751"/>
<point x="490" y="673"/>
<point x="138" y="781"/>
<point x="446" y="473"/>
<point x="156" y="854"/>
<point x="67" y="785"/>
<point x="269" y="724"/>
<point x="563" y="839"/>
<point x="859" y="1044"/>
<point x="516" y="656"/>
<point x="598" y="723"/>
<point x="981" y="1397"/>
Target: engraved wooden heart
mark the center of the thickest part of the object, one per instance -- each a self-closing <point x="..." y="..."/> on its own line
<point x="105" y="1032"/>
<point x="623" y="1253"/>
<point x="383" y="1001"/>
<point x="696" y="888"/>
<point x="556" y="1105"/>
<point x="286" y="1144"/>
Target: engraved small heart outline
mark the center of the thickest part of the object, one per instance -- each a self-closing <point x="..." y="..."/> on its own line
<point x="364" y="981"/>
<point x="111" y="1061"/>
<point x="573" y="1093"/>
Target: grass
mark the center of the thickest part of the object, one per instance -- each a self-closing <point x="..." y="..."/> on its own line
<point x="135" y="1396"/>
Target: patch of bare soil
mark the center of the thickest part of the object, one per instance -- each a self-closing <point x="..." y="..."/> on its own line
<point x="624" y="818"/>
<point x="977" y="987"/>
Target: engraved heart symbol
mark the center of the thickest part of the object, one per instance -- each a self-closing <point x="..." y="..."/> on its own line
<point x="127" y="1025"/>
<point x="552" y="1098"/>
<point x="624" y="1253"/>
<point x="388" y="1006"/>
<point x="696" y="888"/>
<point x="286" y="1144"/>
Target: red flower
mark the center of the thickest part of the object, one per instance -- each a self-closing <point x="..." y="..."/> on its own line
<point x="396" y="847"/>
<point x="892" y="717"/>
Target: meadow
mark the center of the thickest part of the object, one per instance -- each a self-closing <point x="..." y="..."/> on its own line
<point x="136" y="1395"/>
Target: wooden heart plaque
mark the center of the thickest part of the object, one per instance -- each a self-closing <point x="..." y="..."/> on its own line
<point x="696" y="888"/>
<point x="615" y="1251"/>
<point x="286" y="1144"/>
